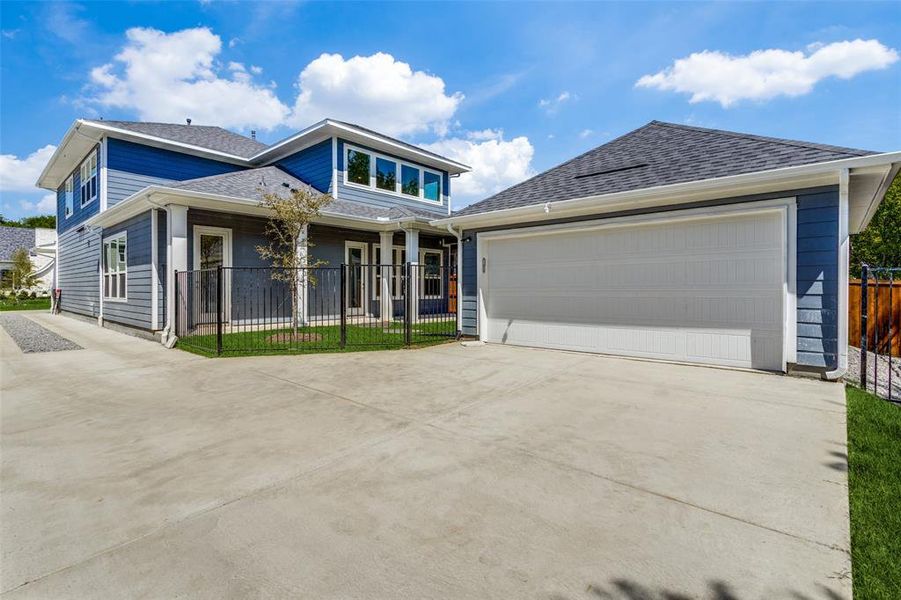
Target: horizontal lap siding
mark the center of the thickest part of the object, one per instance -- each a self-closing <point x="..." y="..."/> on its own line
<point x="156" y="162"/>
<point x="79" y="275"/>
<point x="162" y="269"/>
<point x="375" y="198"/>
<point x="137" y="309"/>
<point x="122" y="184"/>
<point x="817" y="278"/>
<point x="311" y="165"/>
<point x="469" y="302"/>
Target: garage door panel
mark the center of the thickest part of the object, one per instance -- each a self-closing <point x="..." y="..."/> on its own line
<point x="709" y="291"/>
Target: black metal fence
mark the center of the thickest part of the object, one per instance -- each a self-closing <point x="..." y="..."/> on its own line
<point x="880" y="339"/>
<point x="259" y="310"/>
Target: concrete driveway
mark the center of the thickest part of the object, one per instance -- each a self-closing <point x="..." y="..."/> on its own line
<point x="450" y="472"/>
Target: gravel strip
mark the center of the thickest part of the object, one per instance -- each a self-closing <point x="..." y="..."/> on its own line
<point x="882" y="361"/>
<point x="31" y="337"/>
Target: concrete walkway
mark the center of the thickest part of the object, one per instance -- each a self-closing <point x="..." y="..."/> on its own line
<point x="484" y="472"/>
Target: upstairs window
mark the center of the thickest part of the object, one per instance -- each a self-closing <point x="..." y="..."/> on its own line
<point x="69" y="195"/>
<point x="88" y="173"/>
<point x="358" y="167"/>
<point x="115" y="267"/>
<point x="392" y="176"/>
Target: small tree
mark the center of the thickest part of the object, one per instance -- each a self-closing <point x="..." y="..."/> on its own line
<point x="291" y="214"/>
<point x="880" y="243"/>
<point x="21" y="275"/>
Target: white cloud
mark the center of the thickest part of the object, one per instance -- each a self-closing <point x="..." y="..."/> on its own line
<point x="377" y="91"/>
<point x="585" y="133"/>
<point x="173" y="76"/>
<point x="496" y="164"/>
<point x="44" y="205"/>
<point x="486" y="134"/>
<point x="552" y="105"/>
<point x="765" y="74"/>
<point x="20" y="174"/>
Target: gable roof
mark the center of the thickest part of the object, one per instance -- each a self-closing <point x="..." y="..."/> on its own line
<point x="203" y="136"/>
<point x="13" y="238"/>
<point x="660" y="154"/>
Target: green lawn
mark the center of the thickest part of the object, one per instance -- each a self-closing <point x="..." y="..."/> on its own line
<point x="874" y="478"/>
<point x="29" y="304"/>
<point x="359" y="338"/>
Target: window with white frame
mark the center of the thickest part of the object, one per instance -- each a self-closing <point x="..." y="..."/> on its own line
<point x="69" y="195"/>
<point x="399" y="255"/>
<point x="390" y="175"/>
<point x="430" y="280"/>
<point x="115" y="267"/>
<point x="88" y="174"/>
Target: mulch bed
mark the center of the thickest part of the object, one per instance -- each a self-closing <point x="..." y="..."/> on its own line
<point x="288" y="338"/>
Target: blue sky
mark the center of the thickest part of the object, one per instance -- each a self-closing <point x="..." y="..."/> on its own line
<point x="512" y="89"/>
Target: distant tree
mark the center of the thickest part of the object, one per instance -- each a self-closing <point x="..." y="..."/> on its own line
<point x="21" y="275"/>
<point x="880" y="243"/>
<point x="47" y="221"/>
<point x="290" y="217"/>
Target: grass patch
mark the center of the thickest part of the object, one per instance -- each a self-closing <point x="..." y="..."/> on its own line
<point x="28" y="304"/>
<point x="323" y="339"/>
<point x="874" y="479"/>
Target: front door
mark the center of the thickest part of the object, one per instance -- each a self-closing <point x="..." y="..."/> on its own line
<point x="356" y="259"/>
<point x="212" y="249"/>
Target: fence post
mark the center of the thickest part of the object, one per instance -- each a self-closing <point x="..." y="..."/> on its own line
<point x="218" y="310"/>
<point x="343" y="305"/>
<point x="864" y="276"/>
<point x="408" y="304"/>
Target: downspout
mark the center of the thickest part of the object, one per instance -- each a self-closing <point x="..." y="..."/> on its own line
<point x="167" y="337"/>
<point x="459" y="236"/>
<point x="843" y="258"/>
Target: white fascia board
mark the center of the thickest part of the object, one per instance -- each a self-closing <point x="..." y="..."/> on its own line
<point x="775" y="180"/>
<point x="889" y="175"/>
<point x="50" y="181"/>
<point x="319" y="131"/>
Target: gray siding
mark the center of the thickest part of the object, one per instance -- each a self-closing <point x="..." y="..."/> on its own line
<point x="817" y="269"/>
<point x="136" y="310"/>
<point x="79" y="275"/>
<point x="122" y="184"/>
<point x="162" y="264"/>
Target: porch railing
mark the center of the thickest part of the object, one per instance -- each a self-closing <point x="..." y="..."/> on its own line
<point x="261" y="310"/>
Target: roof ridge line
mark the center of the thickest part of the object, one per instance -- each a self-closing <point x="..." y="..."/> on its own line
<point x="784" y="142"/>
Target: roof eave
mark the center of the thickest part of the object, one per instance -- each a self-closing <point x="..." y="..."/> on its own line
<point x="786" y="178"/>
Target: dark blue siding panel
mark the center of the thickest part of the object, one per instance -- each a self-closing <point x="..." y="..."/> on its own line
<point x="79" y="275"/>
<point x="817" y="278"/>
<point x="80" y="213"/>
<point x="311" y="165"/>
<point x="468" y="292"/>
<point x="156" y="162"/>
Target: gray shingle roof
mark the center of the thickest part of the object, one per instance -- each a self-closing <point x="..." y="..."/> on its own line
<point x="660" y="154"/>
<point x="248" y="184"/>
<point x="205" y="136"/>
<point x="13" y="238"/>
<point x="395" y="140"/>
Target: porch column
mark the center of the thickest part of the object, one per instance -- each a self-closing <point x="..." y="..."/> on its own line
<point x="302" y="279"/>
<point x="411" y="239"/>
<point x="386" y="304"/>
<point x="177" y="251"/>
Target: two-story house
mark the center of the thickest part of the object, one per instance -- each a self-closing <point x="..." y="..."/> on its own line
<point x="138" y="202"/>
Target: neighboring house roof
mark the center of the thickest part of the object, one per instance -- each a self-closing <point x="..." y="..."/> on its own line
<point x="251" y="183"/>
<point x="660" y="154"/>
<point x="204" y="136"/>
<point x="13" y="238"/>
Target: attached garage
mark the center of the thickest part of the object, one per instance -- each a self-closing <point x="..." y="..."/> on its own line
<point x="701" y="287"/>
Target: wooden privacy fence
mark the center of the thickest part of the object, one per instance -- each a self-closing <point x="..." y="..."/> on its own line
<point x="884" y="313"/>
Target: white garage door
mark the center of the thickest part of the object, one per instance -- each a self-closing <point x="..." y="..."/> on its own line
<point x="708" y="290"/>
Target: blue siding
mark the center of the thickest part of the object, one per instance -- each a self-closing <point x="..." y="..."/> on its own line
<point x="79" y="213"/>
<point x="156" y="162"/>
<point x="136" y="310"/>
<point x="122" y="184"/>
<point x="817" y="272"/>
<point x="79" y="275"/>
<point x="311" y="165"/>
<point x="817" y="276"/>
<point x="377" y="198"/>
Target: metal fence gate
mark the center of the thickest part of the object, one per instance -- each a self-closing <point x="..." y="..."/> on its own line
<point x="260" y="310"/>
<point x="879" y="331"/>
